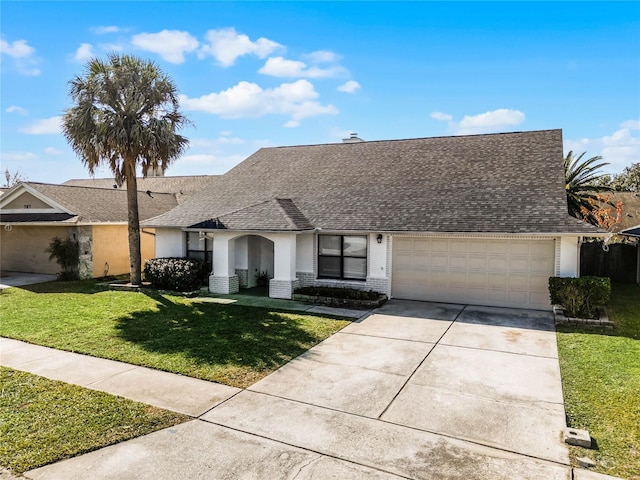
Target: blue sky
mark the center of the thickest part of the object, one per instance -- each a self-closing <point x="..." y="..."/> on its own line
<point x="254" y="74"/>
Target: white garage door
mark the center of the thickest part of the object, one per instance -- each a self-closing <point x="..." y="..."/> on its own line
<point x="509" y="273"/>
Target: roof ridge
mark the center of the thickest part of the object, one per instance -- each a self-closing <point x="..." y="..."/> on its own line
<point x="284" y="212"/>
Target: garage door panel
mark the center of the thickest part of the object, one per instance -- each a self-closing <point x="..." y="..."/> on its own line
<point x="486" y="272"/>
<point x="518" y="282"/>
<point x="458" y="262"/>
<point x="439" y="262"/>
<point x="477" y="263"/>
<point x="497" y="264"/>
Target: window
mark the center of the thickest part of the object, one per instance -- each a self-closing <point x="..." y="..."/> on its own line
<point x="342" y="257"/>
<point x="200" y="247"/>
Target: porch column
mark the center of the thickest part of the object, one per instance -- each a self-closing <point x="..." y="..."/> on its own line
<point x="284" y="280"/>
<point x="223" y="279"/>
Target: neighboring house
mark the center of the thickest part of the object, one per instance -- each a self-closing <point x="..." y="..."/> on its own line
<point x="476" y="219"/>
<point x="181" y="186"/>
<point x="32" y="214"/>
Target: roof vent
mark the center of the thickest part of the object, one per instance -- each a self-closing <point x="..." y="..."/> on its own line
<point x="353" y="138"/>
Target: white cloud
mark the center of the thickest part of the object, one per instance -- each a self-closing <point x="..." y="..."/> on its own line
<point x="620" y="149"/>
<point x="349" y="87"/>
<point x="103" y="30"/>
<point x="17" y="156"/>
<point x="23" y="56"/>
<point x="442" y="116"/>
<point x="226" y="45"/>
<point x="84" y="52"/>
<point x="16" y="109"/>
<point x="17" y="49"/>
<point x="493" y="121"/>
<point x="322" y="56"/>
<point x="297" y="99"/>
<point x="631" y="124"/>
<point x="46" y="126"/>
<point x="53" y="151"/>
<point x="281" y="67"/>
<point x="169" y="44"/>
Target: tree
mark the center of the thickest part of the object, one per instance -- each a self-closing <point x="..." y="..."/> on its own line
<point x="581" y="177"/>
<point x="11" y="178"/>
<point x="628" y="180"/>
<point x="67" y="253"/>
<point x="125" y="115"/>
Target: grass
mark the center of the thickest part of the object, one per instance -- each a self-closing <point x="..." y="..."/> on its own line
<point x="601" y="382"/>
<point x="229" y="344"/>
<point x="44" y="421"/>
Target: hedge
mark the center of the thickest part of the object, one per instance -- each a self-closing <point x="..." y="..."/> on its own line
<point x="335" y="292"/>
<point x="580" y="297"/>
<point x="177" y="274"/>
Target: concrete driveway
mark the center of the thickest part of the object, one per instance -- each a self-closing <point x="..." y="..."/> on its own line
<point x="19" y="279"/>
<point x="416" y="390"/>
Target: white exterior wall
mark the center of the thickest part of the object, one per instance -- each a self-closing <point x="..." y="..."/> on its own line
<point x="169" y="242"/>
<point x="242" y="249"/>
<point x="569" y="264"/>
<point x="377" y="256"/>
<point x="304" y="252"/>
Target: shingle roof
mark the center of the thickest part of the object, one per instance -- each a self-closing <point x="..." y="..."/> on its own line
<point x="276" y="214"/>
<point x="103" y="205"/>
<point x="507" y="183"/>
<point x="182" y="186"/>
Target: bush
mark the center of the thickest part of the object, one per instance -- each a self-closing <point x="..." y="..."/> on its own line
<point x="580" y="297"/>
<point x="67" y="254"/>
<point x="335" y="292"/>
<point x="177" y="274"/>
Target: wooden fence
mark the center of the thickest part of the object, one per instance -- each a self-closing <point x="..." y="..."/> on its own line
<point x="620" y="263"/>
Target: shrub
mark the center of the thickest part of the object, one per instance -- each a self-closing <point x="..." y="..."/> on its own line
<point x="580" y="297"/>
<point x="177" y="274"/>
<point x="66" y="254"/>
<point x="335" y="292"/>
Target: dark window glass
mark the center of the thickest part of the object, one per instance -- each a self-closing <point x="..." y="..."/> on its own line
<point x="342" y="256"/>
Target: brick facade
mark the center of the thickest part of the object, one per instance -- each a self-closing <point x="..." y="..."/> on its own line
<point x="224" y="285"/>
<point x="282" y="288"/>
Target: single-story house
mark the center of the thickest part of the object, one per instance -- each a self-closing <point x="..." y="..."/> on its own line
<point x="476" y="219"/>
<point x="32" y="214"/>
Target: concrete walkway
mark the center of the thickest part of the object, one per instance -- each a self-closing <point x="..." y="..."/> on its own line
<point x="414" y="391"/>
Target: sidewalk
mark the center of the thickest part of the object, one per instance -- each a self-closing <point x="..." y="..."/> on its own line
<point x="170" y="391"/>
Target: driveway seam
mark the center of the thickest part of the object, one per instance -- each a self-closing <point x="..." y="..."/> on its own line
<point x="306" y="449"/>
<point x="498" y="351"/>
<point x="404" y="385"/>
<point x="415" y="429"/>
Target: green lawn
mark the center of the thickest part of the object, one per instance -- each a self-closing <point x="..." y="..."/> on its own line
<point x="230" y="344"/>
<point x="601" y="381"/>
<point x="44" y="421"/>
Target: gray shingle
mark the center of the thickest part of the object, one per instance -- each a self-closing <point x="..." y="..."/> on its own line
<point x="502" y="183"/>
<point x="104" y="205"/>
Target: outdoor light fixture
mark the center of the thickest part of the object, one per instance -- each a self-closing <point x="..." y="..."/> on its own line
<point x="379" y="238"/>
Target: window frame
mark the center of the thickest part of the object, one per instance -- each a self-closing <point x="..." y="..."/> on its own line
<point x="342" y="257"/>
<point x="207" y="253"/>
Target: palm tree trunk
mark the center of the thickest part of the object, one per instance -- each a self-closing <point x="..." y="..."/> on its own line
<point x="135" y="261"/>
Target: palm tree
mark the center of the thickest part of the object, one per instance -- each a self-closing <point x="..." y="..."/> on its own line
<point x="582" y="185"/>
<point x="125" y="115"/>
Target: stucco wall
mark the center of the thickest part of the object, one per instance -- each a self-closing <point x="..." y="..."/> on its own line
<point x="23" y="248"/>
<point x="111" y="246"/>
<point x="170" y="242"/>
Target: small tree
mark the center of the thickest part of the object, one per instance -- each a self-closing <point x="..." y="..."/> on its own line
<point x="602" y="212"/>
<point x="66" y="253"/>
<point x="11" y="178"/>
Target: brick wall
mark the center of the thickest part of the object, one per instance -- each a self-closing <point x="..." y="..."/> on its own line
<point x="223" y="284"/>
<point x="282" y="288"/>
